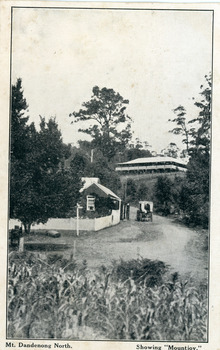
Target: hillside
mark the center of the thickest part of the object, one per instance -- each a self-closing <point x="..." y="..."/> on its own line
<point x="148" y="180"/>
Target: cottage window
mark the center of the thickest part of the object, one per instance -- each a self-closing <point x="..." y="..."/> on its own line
<point x="115" y="205"/>
<point x="90" y="203"/>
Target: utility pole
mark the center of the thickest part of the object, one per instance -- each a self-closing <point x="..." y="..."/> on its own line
<point x="125" y="189"/>
<point x="92" y="152"/>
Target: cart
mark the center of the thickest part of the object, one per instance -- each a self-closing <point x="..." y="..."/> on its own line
<point x="145" y="211"/>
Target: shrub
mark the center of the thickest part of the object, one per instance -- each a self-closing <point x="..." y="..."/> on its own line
<point x="143" y="271"/>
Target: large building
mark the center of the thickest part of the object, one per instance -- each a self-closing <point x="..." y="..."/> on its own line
<point x="151" y="165"/>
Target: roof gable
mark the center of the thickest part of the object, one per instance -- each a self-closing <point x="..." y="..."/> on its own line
<point x="100" y="190"/>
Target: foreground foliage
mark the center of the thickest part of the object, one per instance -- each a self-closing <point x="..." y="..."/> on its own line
<point x="54" y="298"/>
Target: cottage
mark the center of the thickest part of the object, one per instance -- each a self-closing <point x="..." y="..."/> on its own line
<point x="99" y="201"/>
<point x="100" y="208"/>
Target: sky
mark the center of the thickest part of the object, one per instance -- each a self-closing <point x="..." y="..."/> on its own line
<point x="156" y="59"/>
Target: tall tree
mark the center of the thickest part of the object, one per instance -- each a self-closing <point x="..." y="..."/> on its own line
<point x="40" y="187"/>
<point x="19" y="143"/>
<point x="194" y="196"/>
<point x="110" y="127"/>
<point x="201" y="135"/>
<point x="199" y="163"/>
<point x="19" y="128"/>
<point x="182" y="127"/>
<point x="50" y="148"/>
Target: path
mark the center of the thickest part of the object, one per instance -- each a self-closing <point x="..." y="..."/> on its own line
<point x="162" y="240"/>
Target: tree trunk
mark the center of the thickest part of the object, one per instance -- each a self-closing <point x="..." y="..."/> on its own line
<point x="27" y="228"/>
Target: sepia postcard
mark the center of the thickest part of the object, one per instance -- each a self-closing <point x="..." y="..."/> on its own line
<point x="110" y="175"/>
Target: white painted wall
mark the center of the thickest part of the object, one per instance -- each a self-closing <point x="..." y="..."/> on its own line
<point x="116" y="216"/>
<point x="66" y="224"/>
<point x="107" y="221"/>
<point x="70" y="223"/>
<point x="102" y="222"/>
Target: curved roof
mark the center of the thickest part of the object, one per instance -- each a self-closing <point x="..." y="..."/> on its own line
<point x="155" y="160"/>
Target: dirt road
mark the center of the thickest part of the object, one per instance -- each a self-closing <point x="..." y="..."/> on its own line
<point x="162" y="240"/>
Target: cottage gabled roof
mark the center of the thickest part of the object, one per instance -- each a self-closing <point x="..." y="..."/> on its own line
<point x="98" y="188"/>
<point x="87" y="181"/>
<point x="107" y="191"/>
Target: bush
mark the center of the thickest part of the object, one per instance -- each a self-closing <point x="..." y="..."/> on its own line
<point x="142" y="271"/>
<point x="143" y="192"/>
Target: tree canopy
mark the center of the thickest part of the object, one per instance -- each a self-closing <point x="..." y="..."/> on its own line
<point x="110" y="126"/>
<point x="181" y="125"/>
<point x="196" y="131"/>
<point x="99" y="167"/>
<point x="201" y="136"/>
<point x="171" y="150"/>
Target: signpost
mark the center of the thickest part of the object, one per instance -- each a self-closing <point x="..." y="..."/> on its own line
<point x="77" y="218"/>
<point x="73" y="254"/>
